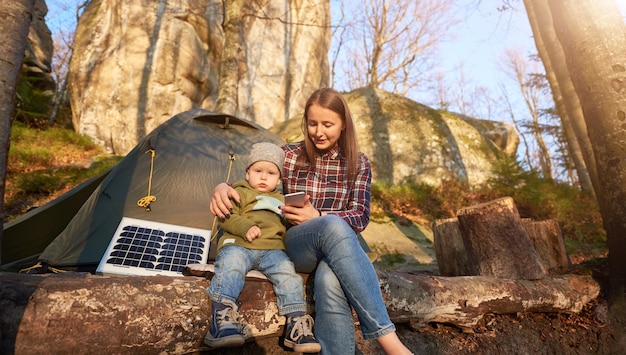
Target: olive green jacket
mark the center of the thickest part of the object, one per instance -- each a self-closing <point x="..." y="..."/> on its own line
<point x="255" y="208"/>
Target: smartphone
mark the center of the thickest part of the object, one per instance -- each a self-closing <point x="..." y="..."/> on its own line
<point x="295" y="199"/>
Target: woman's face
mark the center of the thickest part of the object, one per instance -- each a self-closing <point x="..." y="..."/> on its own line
<point x="324" y="127"/>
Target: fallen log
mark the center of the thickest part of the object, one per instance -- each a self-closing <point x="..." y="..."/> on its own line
<point x="63" y="313"/>
<point x="462" y="301"/>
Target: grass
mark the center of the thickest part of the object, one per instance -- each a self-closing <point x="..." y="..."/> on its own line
<point x="46" y="162"/>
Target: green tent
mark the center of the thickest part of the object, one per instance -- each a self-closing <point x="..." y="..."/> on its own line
<point x="179" y="163"/>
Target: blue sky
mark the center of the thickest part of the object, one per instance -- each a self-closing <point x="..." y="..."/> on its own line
<point x="483" y="36"/>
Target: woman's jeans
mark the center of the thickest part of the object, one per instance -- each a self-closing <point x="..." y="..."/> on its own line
<point x="344" y="277"/>
<point x="233" y="262"/>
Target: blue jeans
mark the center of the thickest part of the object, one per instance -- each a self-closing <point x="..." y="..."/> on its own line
<point x="344" y="277"/>
<point x="233" y="262"/>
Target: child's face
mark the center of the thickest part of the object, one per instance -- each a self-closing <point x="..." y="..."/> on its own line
<point x="263" y="176"/>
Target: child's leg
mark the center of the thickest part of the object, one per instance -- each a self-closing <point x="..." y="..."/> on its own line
<point x="276" y="265"/>
<point x="231" y="265"/>
<point x="279" y="269"/>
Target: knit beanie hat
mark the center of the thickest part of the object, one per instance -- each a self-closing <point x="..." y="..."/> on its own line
<point x="266" y="151"/>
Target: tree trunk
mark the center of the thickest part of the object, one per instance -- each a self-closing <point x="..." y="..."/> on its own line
<point x="551" y="53"/>
<point x="497" y="243"/>
<point x="79" y="312"/>
<point x="16" y="17"/>
<point x="592" y="36"/>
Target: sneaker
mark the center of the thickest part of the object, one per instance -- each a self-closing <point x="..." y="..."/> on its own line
<point x="299" y="335"/>
<point x="225" y="331"/>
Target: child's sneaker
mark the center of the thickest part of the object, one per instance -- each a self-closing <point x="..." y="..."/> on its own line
<point x="224" y="331"/>
<point x="299" y="335"/>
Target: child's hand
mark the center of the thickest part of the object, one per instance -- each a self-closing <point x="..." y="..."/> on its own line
<point x="253" y="233"/>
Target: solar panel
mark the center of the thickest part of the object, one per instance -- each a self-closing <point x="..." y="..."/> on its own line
<point x="148" y="248"/>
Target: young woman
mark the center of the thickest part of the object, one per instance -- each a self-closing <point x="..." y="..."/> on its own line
<point x="336" y="177"/>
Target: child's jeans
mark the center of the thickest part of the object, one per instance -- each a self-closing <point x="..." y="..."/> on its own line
<point x="234" y="261"/>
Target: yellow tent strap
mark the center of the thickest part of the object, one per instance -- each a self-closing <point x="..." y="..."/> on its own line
<point x="231" y="159"/>
<point x="148" y="199"/>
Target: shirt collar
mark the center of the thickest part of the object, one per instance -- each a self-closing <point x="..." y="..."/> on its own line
<point x="332" y="153"/>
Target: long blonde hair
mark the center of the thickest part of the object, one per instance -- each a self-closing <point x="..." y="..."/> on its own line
<point x="348" y="144"/>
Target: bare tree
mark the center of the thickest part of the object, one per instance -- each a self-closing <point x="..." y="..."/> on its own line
<point x="516" y="125"/>
<point x="63" y="49"/>
<point x="16" y="17"/>
<point x="392" y="45"/>
<point x="592" y="37"/>
<point x="532" y="89"/>
<point x="338" y="32"/>
<point x="60" y="67"/>
<point x="458" y="94"/>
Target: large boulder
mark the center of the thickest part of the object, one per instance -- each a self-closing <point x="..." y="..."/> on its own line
<point x="410" y="142"/>
<point x="138" y="63"/>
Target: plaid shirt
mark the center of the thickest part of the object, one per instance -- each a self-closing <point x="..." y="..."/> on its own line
<point x="328" y="186"/>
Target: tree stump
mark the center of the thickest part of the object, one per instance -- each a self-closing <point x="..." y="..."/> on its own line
<point x="497" y="243"/>
<point x="547" y="240"/>
<point x="449" y="248"/>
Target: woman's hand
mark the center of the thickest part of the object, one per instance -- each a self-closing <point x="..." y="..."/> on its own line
<point x="220" y="201"/>
<point x="297" y="215"/>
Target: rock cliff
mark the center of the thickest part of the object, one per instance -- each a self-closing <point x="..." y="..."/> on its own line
<point x="136" y="64"/>
<point x="407" y="141"/>
<point x="38" y="54"/>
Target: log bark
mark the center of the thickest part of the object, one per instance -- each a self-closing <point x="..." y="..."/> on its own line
<point x="463" y="301"/>
<point x="497" y="243"/>
<point x="449" y="248"/>
<point x="65" y="313"/>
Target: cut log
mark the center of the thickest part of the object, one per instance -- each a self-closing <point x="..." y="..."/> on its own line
<point x="449" y="248"/>
<point x="545" y="237"/>
<point x="547" y="240"/>
<point x="65" y="313"/>
<point x="497" y="243"/>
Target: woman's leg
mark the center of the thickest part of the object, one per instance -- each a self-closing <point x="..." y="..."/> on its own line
<point x="329" y="238"/>
<point x="334" y="323"/>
